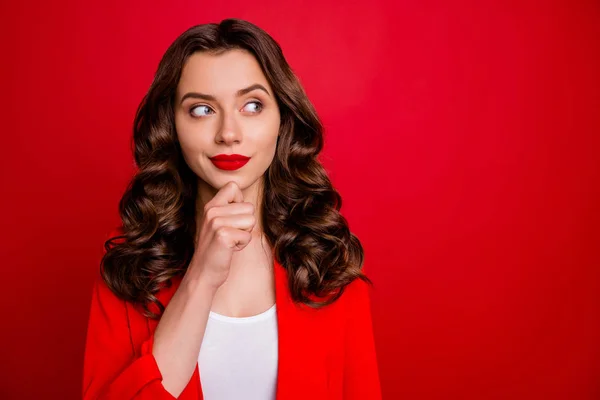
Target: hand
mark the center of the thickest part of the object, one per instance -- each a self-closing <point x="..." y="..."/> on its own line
<point x="225" y="226"/>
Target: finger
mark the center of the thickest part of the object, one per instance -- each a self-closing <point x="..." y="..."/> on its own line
<point x="233" y="238"/>
<point x="244" y="221"/>
<point x="230" y="193"/>
<point x="231" y="209"/>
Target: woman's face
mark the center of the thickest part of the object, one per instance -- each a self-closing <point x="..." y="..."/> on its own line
<point x="224" y="105"/>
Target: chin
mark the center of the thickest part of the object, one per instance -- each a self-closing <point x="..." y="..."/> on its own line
<point x="217" y="182"/>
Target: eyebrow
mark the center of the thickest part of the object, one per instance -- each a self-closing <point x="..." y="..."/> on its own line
<point x="241" y="92"/>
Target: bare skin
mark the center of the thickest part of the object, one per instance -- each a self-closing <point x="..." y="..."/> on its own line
<point x="231" y="270"/>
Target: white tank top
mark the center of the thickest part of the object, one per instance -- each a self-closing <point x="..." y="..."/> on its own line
<point x="238" y="357"/>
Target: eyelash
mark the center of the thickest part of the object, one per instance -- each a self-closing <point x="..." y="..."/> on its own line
<point x="260" y="106"/>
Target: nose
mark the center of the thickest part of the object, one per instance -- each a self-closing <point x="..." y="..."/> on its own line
<point x="230" y="131"/>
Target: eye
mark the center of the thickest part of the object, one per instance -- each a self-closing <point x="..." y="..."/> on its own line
<point x="200" y="110"/>
<point x="255" y="107"/>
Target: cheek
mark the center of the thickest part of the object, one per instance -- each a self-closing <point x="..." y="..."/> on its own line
<point x="192" y="144"/>
<point x="270" y="128"/>
<point x="193" y="147"/>
<point x="268" y="144"/>
<point x="191" y="139"/>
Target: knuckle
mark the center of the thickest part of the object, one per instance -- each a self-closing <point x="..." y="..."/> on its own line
<point x="210" y="213"/>
<point x="221" y="234"/>
<point x="215" y="224"/>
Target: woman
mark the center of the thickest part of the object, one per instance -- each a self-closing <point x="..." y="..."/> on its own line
<point x="233" y="276"/>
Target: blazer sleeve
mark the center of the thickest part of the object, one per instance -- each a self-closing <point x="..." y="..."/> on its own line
<point x="112" y="369"/>
<point x="361" y="372"/>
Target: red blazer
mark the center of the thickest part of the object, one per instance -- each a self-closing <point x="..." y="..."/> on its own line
<point x="323" y="354"/>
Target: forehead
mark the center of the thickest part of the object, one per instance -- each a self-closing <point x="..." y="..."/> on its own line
<point x="220" y="74"/>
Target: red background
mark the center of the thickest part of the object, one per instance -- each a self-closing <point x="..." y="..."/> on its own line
<point x="463" y="136"/>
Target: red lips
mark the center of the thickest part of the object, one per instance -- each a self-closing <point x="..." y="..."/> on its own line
<point x="229" y="162"/>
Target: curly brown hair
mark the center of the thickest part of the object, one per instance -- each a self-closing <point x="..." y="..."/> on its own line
<point x="300" y="207"/>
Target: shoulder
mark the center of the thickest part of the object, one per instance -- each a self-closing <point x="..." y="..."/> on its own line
<point x="356" y="291"/>
<point x="358" y="303"/>
<point x="355" y="296"/>
<point x="105" y="297"/>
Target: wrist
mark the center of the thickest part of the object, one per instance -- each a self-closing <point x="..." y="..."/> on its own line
<point x="198" y="284"/>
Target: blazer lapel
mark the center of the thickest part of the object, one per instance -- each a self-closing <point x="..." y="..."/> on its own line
<point x="301" y="371"/>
